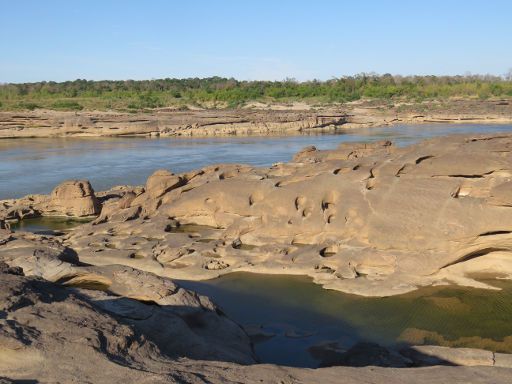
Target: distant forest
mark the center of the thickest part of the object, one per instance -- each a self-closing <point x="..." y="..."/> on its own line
<point x="218" y="92"/>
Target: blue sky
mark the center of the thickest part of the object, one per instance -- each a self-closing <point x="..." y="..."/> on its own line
<point x="65" y="40"/>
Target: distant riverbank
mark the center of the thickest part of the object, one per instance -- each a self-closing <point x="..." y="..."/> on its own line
<point x="255" y="119"/>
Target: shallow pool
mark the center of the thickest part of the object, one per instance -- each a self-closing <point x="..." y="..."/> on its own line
<point x="294" y="316"/>
<point x="47" y="225"/>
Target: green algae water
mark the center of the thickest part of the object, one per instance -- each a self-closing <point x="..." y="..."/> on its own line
<point x="47" y="225"/>
<point x="293" y="316"/>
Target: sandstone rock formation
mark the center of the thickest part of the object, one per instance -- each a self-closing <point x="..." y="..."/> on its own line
<point x="74" y="198"/>
<point x="162" y="123"/>
<point x="263" y="120"/>
<point x="97" y="304"/>
<point x="173" y="321"/>
<point x="370" y="219"/>
<point x="115" y="324"/>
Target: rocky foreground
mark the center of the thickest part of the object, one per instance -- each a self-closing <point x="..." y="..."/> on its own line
<point x="98" y="304"/>
<point x="63" y="321"/>
<point x="256" y="119"/>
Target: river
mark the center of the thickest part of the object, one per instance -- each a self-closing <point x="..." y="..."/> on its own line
<point x="38" y="165"/>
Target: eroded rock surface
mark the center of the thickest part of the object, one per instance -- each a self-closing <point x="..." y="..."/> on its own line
<point x="83" y="329"/>
<point x="45" y="123"/>
<point x="370" y="219"/>
<point x="174" y="321"/>
<point x="255" y="119"/>
<point x="74" y="198"/>
<point x="364" y="218"/>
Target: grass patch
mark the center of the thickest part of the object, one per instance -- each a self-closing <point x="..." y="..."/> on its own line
<point x="66" y="105"/>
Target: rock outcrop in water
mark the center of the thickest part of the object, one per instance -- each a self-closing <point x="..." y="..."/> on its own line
<point x="370" y="219"/>
<point x="73" y="198"/>
<point x="262" y="120"/>
<point x="162" y="123"/>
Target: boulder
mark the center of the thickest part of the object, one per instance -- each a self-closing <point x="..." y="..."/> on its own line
<point x="74" y="198"/>
<point x="161" y="182"/>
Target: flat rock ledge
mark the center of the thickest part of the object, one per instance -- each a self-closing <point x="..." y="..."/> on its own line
<point x="265" y="120"/>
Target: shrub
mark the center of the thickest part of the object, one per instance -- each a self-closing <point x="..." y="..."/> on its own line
<point x="67" y="105"/>
<point x="27" y="105"/>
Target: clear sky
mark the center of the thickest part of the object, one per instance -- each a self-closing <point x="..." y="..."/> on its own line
<point x="251" y="39"/>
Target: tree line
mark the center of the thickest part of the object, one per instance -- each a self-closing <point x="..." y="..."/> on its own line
<point x="229" y="92"/>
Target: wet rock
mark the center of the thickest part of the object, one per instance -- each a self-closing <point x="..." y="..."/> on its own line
<point x="257" y="333"/>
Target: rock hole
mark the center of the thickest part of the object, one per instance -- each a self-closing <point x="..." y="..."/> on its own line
<point x="326" y="205"/>
<point x="329" y="251"/>
<point x="299" y="202"/>
<point x="493" y="233"/>
<point x="341" y="170"/>
<point x="423" y="158"/>
<point x="400" y="171"/>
